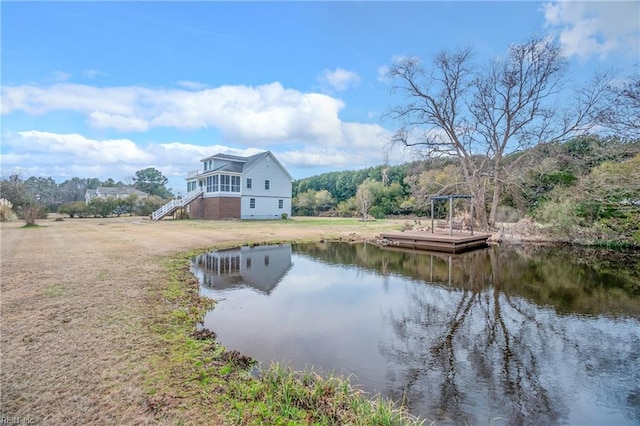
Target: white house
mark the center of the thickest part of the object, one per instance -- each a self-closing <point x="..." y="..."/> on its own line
<point x="260" y="268"/>
<point x="104" y="192"/>
<point x="234" y="187"/>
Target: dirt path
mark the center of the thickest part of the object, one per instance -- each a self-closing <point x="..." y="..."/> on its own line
<point x="75" y="298"/>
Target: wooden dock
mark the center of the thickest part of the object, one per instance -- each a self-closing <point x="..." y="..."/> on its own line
<point x="421" y="240"/>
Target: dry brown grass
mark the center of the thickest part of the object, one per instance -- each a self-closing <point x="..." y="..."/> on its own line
<point x="77" y="299"/>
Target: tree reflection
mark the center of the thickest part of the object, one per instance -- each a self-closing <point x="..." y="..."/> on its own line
<point x="506" y="336"/>
<point x="468" y="336"/>
<point x="453" y="340"/>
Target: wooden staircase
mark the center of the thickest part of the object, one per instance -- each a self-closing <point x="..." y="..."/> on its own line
<point x="173" y="205"/>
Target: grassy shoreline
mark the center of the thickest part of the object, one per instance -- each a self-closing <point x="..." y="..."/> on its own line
<point x="201" y="379"/>
<point x="99" y="321"/>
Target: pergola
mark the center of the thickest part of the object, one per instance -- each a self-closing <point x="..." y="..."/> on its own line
<point x="450" y="198"/>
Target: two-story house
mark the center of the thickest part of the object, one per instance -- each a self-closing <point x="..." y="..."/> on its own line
<point x="234" y="187"/>
<point x="260" y="268"/>
<point x="104" y="192"/>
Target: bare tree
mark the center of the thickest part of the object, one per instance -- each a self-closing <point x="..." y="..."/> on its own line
<point x="622" y="113"/>
<point x="364" y="198"/>
<point x="478" y="115"/>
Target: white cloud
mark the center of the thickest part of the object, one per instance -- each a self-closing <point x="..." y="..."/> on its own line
<point x="57" y="155"/>
<point x="90" y="74"/>
<point x="117" y="121"/>
<point x="303" y="129"/>
<point x="383" y="74"/>
<point x="82" y="149"/>
<point x="314" y="157"/>
<point x="338" y="79"/>
<point x="595" y="28"/>
<point x="192" y="85"/>
<point x="61" y="76"/>
<point x="85" y="99"/>
<point x="264" y="114"/>
<point x="184" y="157"/>
<point x="363" y="145"/>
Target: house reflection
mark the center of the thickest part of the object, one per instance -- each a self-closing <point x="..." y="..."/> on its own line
<point x="260" y="268"/>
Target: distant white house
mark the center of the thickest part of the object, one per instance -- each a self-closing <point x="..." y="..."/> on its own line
<point x="234" y="187"/>
<point x="104" y="192"/>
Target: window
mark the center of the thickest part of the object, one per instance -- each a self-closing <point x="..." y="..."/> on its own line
<point x="235" y="183"/>
<point x="252" y="203"/>
<point x="248" y="263"/>
<point x="225" y="183"/>
<point x="249" y="183"/>
<point x="212" y="183"/>
<point x="280" y="204"/>
<point x="266" y="184"/>
<point x="266" y="260"/>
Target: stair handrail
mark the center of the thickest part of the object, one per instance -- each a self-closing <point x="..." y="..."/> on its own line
<point x="173" y="204"/>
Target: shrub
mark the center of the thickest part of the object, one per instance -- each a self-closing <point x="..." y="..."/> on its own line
<point x="148" y="205"/>
<point x="77" y="208"/>
<point x="6" y="214"/>
<point x="32" y="212"/>
<point x="507" y="214"/>
<point x="562" y="214"/>
<point x="102" y="207"/>
<point x="348" y="208"/>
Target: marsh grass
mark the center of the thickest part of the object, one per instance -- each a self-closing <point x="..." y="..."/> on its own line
<point x="218" y="383"/>
<point x="309" y="397"/>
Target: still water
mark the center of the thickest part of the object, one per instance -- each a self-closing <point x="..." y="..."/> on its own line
<point x="501" y="335"/>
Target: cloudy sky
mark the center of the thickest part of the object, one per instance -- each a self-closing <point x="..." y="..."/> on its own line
<point x="104" y="89"/>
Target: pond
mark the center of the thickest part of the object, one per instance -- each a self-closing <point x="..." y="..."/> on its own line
<point x="527" y="335"/>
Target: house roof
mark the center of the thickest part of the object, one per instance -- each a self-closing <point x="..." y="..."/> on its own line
<point x="230" y="167"/>
<point x="225" y="157"/>
<point x="240" y="164"/>
<point x="114" y="190"/>
<point x="255" y="158"/>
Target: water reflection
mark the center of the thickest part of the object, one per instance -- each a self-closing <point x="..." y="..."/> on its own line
<point x="527" y="336"/>
<point x="260" y="268"/>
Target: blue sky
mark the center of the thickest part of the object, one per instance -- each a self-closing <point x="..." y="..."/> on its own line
<point x="99" y="89"/>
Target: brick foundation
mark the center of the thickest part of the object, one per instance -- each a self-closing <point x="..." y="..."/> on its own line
<point x="215" y="208"/>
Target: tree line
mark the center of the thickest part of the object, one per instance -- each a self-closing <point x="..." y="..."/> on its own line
<point x="515" y="133"/>
<point x="587" y="182"/>
<point x="34" y="197"/>
<point x="481" y="114"/>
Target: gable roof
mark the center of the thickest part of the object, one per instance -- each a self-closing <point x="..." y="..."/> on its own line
<point x="240" y="164"/>
<point x="225" y="157"/>
<point x="115" y="190"/>
<point x="251" y="161"/>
